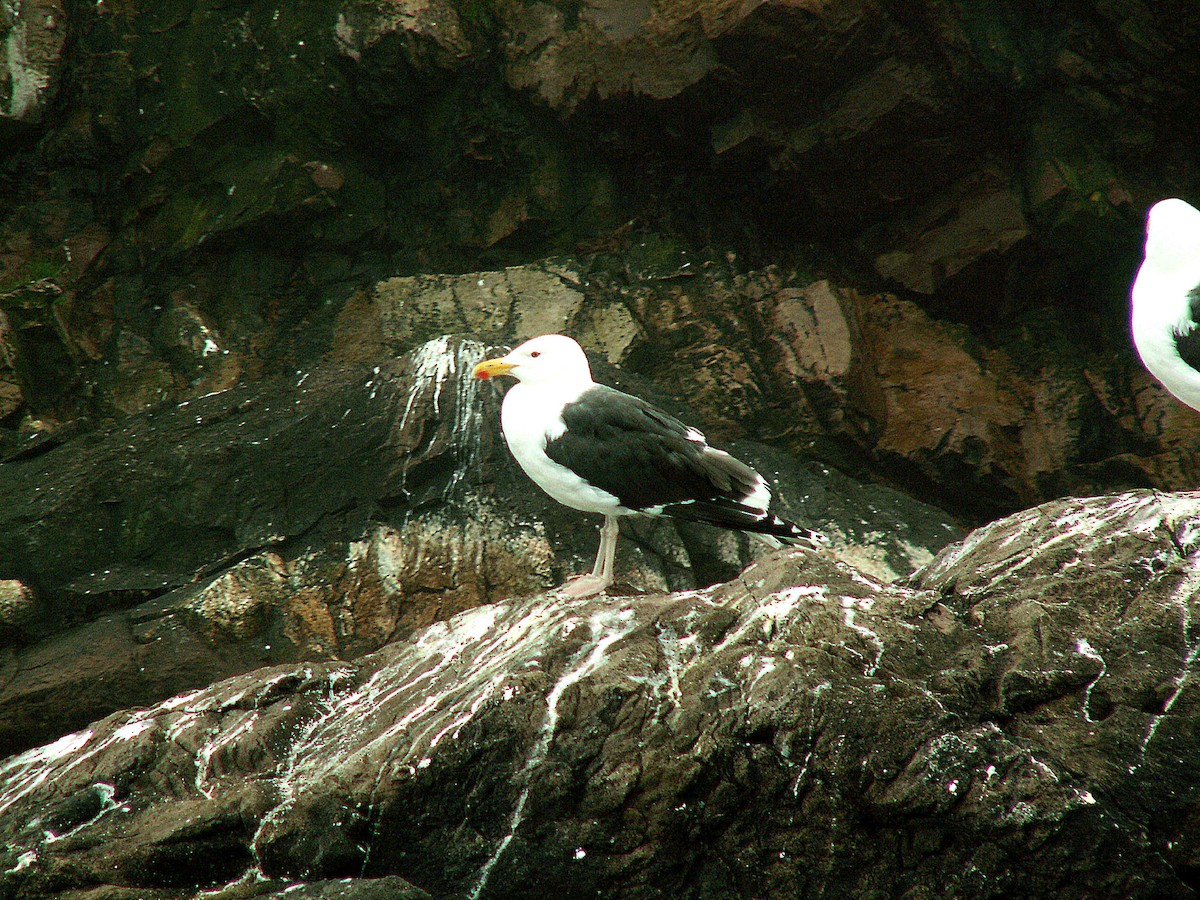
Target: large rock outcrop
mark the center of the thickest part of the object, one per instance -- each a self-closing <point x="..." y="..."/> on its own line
<point x="248" y="252"/>
<point x="1011" y="723"/>
<point x="319" y="516"/>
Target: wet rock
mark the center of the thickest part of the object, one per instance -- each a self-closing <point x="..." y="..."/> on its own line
<point x="339" y="601"/>
<point x="207" y="538"/>
<point x="183" y="489"/>
<point x="1009" y="723"/>
<point x="127" y="659"/>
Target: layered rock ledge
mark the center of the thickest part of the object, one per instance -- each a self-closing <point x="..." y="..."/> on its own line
<point x="1016" y="720"/>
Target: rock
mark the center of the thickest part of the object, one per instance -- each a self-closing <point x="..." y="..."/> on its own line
<point x="815" y="365"/>
<point x="939" y="410"/>
<point x="17" y="604"/>
<point x="992" y="728"/>
<point x="430" y="33"/>
<point x="947" y="406"/>
<point x="198" y="350"/>
<point x="609" y="49"/>
<point x="248" y="253"/>
<point x="339" y="601"/>
<point x="45" y="377"/>
<point x="569" y="155"/>
<point x="980" y="217"/>
<point x="185" y="488"/>
<point x="128" y="659"/>
<point x="252" y="541"/>
<point x="11" y="396"/>
<point x="518" y="303"/>
<point x="140" y="380"/>
<point x="389" y="888"/>
<point x="320" y="517"/>
<point x="34" y="34"/>
<point x="877" y="530"/>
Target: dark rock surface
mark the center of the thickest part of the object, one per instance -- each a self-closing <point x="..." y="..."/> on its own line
<point x="320" y="516"/>
<point x="167" y="234"/>
<point x="1012" y="723"/>
<point x="272" y="592"/>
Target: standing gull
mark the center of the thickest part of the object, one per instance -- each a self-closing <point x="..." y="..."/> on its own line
<point x="599" y="450"/>
<point x="1166" y="299"/>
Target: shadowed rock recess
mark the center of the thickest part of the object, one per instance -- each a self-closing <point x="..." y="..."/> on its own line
<point x="1013" y="722"/>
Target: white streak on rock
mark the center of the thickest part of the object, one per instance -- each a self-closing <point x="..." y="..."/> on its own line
<point x="849" y="606"/>
<point x="1188" y="588"/>
<point x="436" y="364"/>
<point x="606" y="630"/>
<point x="771" y="613"/>
<point x="27" y="771"/>
<point x="1084" y="649"/>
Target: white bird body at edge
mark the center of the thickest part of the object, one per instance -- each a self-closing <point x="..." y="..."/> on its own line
<point x="598" y="450"/>
<point x="1165" y="300"/>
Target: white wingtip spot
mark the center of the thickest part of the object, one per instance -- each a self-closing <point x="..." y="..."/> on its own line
<point x="759" y="498"/>
<point x="694" y="435"/>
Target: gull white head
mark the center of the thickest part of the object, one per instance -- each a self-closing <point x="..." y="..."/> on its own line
<point x="1173" y="235"/>
<point x="549" y="359"/>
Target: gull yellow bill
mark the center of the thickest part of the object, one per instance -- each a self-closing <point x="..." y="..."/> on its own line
<point x="490" y="368"/>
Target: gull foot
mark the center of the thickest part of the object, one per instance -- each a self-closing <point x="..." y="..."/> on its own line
<point x="585" y="586"/>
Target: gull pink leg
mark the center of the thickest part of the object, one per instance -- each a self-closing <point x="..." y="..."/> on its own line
<point x="602" y="572"/>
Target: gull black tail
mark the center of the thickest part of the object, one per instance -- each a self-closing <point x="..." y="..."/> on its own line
<point x="732" y="515"/>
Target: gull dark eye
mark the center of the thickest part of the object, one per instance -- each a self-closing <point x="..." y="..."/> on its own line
<point x="536" y="353"/>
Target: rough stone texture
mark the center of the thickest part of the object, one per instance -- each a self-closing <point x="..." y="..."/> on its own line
<point x="33" y="34"/>
<point x="566" y="57"/>
<point x="431" y="34"/>
<point x="847" y="238"/>
<point x="324" y="513"/>
<point x="979" y="216"/>
<point x="17" y="603"/>
<point x="219" y="194"/>
<point x="1011" y="723"/>
<point x="519" y="302"/>
<point x="321" y="516"/>
<point x="814" y="366"/>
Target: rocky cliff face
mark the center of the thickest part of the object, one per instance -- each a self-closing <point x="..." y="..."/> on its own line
<point x="320" y="516"/>
<point x="193" y="194"/>
<point x="274" y="599"/>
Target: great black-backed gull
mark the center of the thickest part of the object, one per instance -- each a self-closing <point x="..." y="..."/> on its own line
<point x="596" y="449"/>
<point x="1166" y="299"/>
